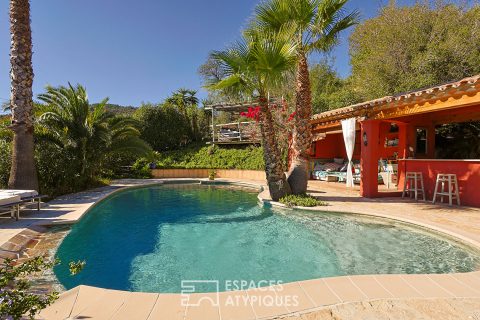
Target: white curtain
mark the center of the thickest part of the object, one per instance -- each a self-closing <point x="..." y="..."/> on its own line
<point x="348" y="128"/>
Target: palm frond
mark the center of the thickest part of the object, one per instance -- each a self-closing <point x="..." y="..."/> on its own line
<point x="257" y="62"/>
<point x="329" y="22"/>
<point x="315" y="24"/>
<point x="272" y="15"/>
<point x="90" y="132"/>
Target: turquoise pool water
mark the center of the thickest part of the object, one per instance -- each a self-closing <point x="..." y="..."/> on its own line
<point x="151" y="239"/>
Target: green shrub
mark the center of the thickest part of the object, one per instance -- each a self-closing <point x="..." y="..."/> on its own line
<point x="141" y="169"/>
<point x="17" y="300"/>
<point x="58" y="173"/>
<point x="302" y="200"/>
<point x="5" y="162"/>
<point x="15" y="295"/>
<point x="204" y="157"/>
<point x="162" y="127"/>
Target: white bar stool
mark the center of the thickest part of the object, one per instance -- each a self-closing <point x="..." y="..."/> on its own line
<point x="452" y="192"/>
<point x="410" y="185"/>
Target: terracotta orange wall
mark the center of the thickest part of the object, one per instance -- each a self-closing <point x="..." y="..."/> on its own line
<point x="376" y="131"/>
<point x="333" y="146"/>
<point x="386" y="152"/>
<point x="468" y="175"/>
<point x="430" y="120"/>
<point x="412" y="136"/>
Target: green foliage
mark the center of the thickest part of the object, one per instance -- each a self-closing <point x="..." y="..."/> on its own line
<point x="5" y="162"/>
<point x="5" y="132"/>
<point x="56" y="170"/>
<point x="118" y="166"/>
<point x="202" y="157"/>
<point x="255" y="64"/>
<point x="119" y="110"/>
<point x="75" y="140"/>
<point x="458" y="141"/>
<point x="314" y="25"/>
<point x="212" y="72"/>
<point x="212" y="174"/>
<point x="406" y="48"/>
<point x="162" y="126"/>
<point x="329" y="91"/>
<point x="75" y="267"/>
<point x="302" y="200"/>
<point x="15" y="296"/>
<point x="5" y="150"/>
<point x="186" y="103"/>
<point x="175" y="123"/>
<point x="141" y="169"/>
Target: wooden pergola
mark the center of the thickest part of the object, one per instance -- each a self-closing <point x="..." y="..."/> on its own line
<point x="234" y="133"/>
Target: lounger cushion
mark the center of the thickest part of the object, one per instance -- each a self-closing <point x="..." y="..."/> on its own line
<point x="21" y="193"/>
<point x="5" y="200"/>
<point x="332" y="166"/>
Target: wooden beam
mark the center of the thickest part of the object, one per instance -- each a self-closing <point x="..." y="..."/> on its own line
<point x="457" y="118"/>
<point x="465" y="92"/>
<point x="453" y="102"/>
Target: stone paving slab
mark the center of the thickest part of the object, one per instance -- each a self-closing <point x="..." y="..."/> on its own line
<point x="306" y="297"/>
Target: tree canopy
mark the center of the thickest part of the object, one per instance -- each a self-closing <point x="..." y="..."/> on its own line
<point x="173" y="123"/>
<point x="410" y="47"/>
<point x="329" y="90"/>
<point x="87" y="134"/>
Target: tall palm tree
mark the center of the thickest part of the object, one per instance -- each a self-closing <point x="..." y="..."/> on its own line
<point x="255" y="65"/>
<point x="89" y="133"/>
<point x="315" y="25"/>
<point x="186" y="102"/>
<point x="23" y="174"/>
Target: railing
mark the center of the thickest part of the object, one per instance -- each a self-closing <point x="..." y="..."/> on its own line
<point x="235" y="132"/>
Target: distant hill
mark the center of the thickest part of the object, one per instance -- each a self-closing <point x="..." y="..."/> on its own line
<point x="120" y="110"/>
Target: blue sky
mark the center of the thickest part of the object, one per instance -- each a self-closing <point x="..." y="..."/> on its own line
<point x="135" y="50"/>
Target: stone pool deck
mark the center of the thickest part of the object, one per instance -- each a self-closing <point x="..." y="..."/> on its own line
<point x="447" y="296"/>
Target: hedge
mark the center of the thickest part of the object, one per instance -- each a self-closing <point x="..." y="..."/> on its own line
<point x="210" y="157"/>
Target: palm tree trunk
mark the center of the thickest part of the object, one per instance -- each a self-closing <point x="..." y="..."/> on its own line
<point x="302" y="133"/>
<point x="23" y="174"/>
<point x="276" y="179"/>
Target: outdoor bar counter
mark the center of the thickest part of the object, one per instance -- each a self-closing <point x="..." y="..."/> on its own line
<point x="467" y="171"/>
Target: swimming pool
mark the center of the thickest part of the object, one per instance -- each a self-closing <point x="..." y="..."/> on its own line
<point x="150" y="239"/>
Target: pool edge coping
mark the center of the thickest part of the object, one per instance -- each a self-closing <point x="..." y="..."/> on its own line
<point x="262" y="188"/>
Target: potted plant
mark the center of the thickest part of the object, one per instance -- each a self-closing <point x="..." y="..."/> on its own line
<point x="211" y="175"/>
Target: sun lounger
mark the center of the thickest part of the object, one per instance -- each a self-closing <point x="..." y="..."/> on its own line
<point x="26" y="196"/>
<point x="10" y="204"/>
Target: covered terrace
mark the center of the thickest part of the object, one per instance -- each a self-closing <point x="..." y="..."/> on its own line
<point x="231" y="129"/>
<point x="402" y="130"/>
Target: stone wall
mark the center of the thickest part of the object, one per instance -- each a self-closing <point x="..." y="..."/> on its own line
<point x="203" y="173"/>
